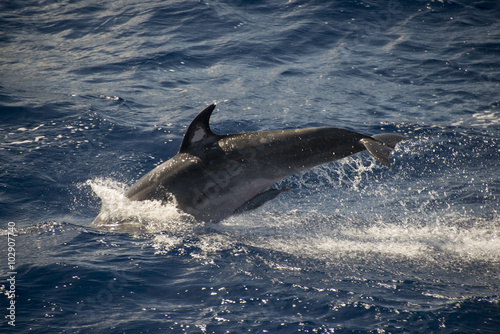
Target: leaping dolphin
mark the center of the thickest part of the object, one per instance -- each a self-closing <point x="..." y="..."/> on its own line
<point x="214" y="176"/>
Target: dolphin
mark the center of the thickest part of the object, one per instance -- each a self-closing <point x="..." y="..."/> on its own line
<point x="214" y="176"/>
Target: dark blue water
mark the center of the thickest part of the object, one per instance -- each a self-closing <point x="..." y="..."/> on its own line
<point x="93" y="94"/>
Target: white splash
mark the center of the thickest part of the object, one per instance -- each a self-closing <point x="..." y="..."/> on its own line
<point x="118" y="213"/>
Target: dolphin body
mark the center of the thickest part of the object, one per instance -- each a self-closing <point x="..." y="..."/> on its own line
<point x="214" y="176"/>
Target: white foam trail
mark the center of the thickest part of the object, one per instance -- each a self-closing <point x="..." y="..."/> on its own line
<point x="439" y="240"/>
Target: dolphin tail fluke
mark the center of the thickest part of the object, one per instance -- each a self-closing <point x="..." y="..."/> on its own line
<point x="381" y="146"/>
<point x="389" y="139"/>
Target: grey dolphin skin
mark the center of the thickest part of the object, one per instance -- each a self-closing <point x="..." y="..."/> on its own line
<point x="214" y="176"/>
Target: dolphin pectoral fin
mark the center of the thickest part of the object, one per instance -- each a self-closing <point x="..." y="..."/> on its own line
<point x="260" y="199"/>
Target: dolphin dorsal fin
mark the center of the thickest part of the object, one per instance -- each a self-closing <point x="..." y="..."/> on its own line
<point x="199" y="136"/>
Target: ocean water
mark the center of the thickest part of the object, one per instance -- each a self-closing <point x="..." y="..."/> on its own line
<point x="94" y="94"/>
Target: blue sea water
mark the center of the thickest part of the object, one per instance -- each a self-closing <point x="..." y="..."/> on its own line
<point x="94" y="94"/>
